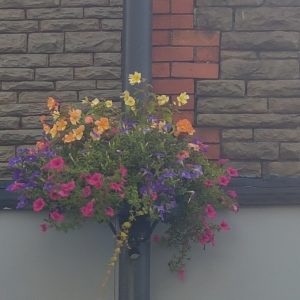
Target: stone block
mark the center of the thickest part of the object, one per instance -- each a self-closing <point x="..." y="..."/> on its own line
<point x="282" y="3"/>
<point x="27" y="85"/>
<point x="284" y="105"/>
<point x="9" y="123"/>
<point x="13" y="43"/>
<point x="237" y="134"/>
<point x="228" y="54"/>
<point x="276" y="40"/>
<point x="249" y="169"/>
<point x="8" y="97"/>
<point x="259" y="69"/>
<point x="54" y="13"/>
<point x="274" y="88"/>
<point x="249" y="120"/>
<point x="267" y="18"/>
<point x="279" y="54"/>
<point x="282" y="168"/>
<point x="23" y="60"/>
<point x="19" y="137"/>
<point x="230" y="2"/>
<point x="76" y="85"/>
<point x="19" y="110"/>
<point x="12" y="14"/>
<point x="103" y="12"/>
<point x="41" y="97"/>
<point x="18" y="26"/>
<point x="5" y="173"/>
<point x="13" y="74"/>
<point x="98" y="73"/>
<point x="232" y="105"/>
<point x="109" y="84"/>
<point x="116" y="2"/>
<point x="290" y="151"/>
<point x="101" y="94"/>
<point x="93" y="41"/>
<point x="214" y="18"/>
<point x="54" y="73"/>
<point x="251" y="151"/>
<point x="277" y="135"/>
<point x="70" y="25"/>
<point x="112" y="24"/>
<point x="45" y="42"/>
<point x="28" y="3"/>
<point x="84" y="3"/>
<point x="6" y="152"/>
<point x="71" y="60"/>
<point x="107" y="59"/>
<point x="221" y="88"/>
<point x="31" y="122"/>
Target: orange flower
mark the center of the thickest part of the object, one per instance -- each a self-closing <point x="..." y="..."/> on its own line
<point x="75" y="116"/>
<point x="41" y="145"/>
<point x="52" y="103"/>
<point x="53" y="131"/>
<point x="69" y="138"/>
<point x="184" y="126"/>
<point x="61" y="125"/>
<point x="78" y="132"/>
<point x="88" y="120"/>
<point x="46" y="128"/>
<point x="102" y="124"/>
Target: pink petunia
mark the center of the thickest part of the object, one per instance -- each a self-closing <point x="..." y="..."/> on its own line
<point x="57" y="216"/>
<point x="210" y="211"/>
<point x="207" y="237"/>
<point x="115" y="186"/>
<point x="95" y="180"/>
<point x="232" y="194"/>
<point x="181" y="274"/>
<point x="224" y="226"/>
<point x="123" y="171"/>
<point x="232" y="172"/>
<point x="88" y="210"/>
<point x="222" y="162"/>
<point x="68" y="187"/>
<point x="44" y="227"/>
<point x="235" y="208"/>
<point x="15" y="186"/>
<point x="208" y="183"/>
<point x="54" y="195"/>
<point x="39" y="204"/>
<point x="109" y="212"/>
<point x="223" y="180"/>
<point x="56" y="163"/>
<point x="86" y="191"/>
<point x="154" y="196"/>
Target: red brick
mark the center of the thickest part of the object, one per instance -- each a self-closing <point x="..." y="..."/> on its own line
<point x="182" y="6"/>
<point x="208" y="135"/>
<point x="173" y="21"/>
<point x="191" y="102"/>
<point x="213" y="151"/>
<point x="195" y="70"/>
<point x="195" y="38"/>
<point x="187" y="114"/>
<point x="173" y="86"/>
<point x="160" y="70"/>
<point x="207" y="54"/>
<point x="161" y="6"/>
<point x="161" y="38"/>
<point x="172" y="53"/>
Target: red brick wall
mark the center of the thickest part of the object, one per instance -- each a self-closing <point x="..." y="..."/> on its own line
<point x="182" y="55"/>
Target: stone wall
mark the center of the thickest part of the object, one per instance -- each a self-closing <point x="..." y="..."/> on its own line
<point x="256" y="100"/>
<point x="62" y="48"/>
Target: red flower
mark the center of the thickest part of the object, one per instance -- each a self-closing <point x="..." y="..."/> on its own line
<point x="57" y="216"/>
<point x="88" y="209"/>
<point x="115" y="186"/>
<point x="123" y="171"/>
<point x="86" y="191"/>
<point x="95" y="180"/>
<point x="224" y="226"/>
<point x="232" y="194"/>
<point x="224" y="180"/>
<point x="109" y="212"/>
<point x="54" y="195"/>
<point x="39" y="204"/>
<point x="232" y="172"/>
<point x="208" y="183"/>
<point x="56" y="163"/>
<point x="210" y="211"/>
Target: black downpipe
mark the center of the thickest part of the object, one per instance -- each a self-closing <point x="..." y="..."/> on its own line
<point x="134" y="274"/>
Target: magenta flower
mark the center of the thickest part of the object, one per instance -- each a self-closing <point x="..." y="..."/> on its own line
<point x="210" y="211"/>
<point x="223" y="180"/>
<point x="57" y="216"/>
<point x="123" y="171"/>
<point x="232" y="194"/>
<point x="54" y="195"/>
<point x="235" y="208"/>
<point x="208" y="183"/>
<point x="86" y="191"/>
<point x="222" y="162"/>
<point x="15" y="186"/>
<point x="68" y="187"/>
<point x="88" y="209"/>
<point x="95" y="180"/>
<point x="56" y="163"/>
<point x="207" y="237"/>
<point x="115" y="186"/>
<point x="224" y="226"/>
<point x="44" y="227"/>
<point x="109" y="212"/>
<point x="181" y="274"/>
<point x="232" y="172"/>
<point x="39" y="204"/>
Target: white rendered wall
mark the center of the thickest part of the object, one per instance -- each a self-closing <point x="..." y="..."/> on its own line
<point x="259" y="259"/>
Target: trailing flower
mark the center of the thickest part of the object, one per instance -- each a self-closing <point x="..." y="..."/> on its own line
<point x="101" y="162"/>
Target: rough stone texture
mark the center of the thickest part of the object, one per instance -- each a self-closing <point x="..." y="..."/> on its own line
<point x="248" y="169"/>
<point x="228" y="54"/>
<point x="290" y="151"/>
<point x="279" y="54"/>
<point x="284" y="105"/>
<point x="66" y="49"/>
<point x="237" y="134"/>
<point x="286" y="168"/>
<point x="282" y="2"/>
<point x="230" y="2"/>
<point x="277" y="135"/>
<point x="221" y="88"/>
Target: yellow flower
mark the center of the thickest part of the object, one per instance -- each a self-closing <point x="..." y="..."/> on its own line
<point x="183" y="99"/>
<point x="52" y="103"/>
<point x="53" y="131"/>
<point x="75" y="116"/>
<point x="85" y="100"/>
<point x="69" y="138"/>
<point x="46" y="128"/>
<point x="102" y="125"/>
<point x="162" y="100"/>
<point x="125" y="95"/>
<point x="61" y="125"/>
<point x="78" y="132"/>
<point x="55" y="115"/>
<point x="95" y="102"/>
<point x="130" y="101"/>
<point x="135" y="78"/>
<point x="108" y="103"/>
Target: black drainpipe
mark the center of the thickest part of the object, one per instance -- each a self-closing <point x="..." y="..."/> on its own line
<point x="134" y="275"/>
